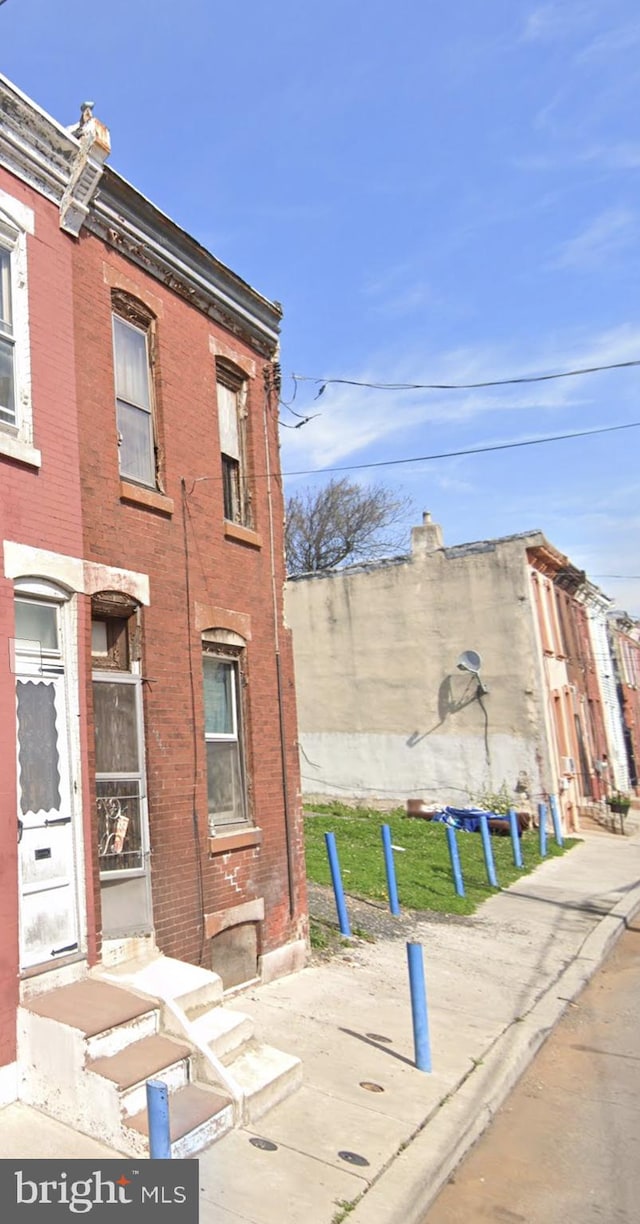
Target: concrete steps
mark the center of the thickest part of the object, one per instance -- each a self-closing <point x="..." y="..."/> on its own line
<point x="266" y="1077"/>
<point x="86" y="1053"/>
<point x="226" y="1055"/>
<point x="198" y="1117"/>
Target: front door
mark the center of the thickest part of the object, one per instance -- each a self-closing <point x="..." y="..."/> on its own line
<point x="47" y="859"/>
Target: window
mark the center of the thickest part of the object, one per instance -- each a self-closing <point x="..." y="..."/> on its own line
<point x="119" y="741"/>
<point x="7" y="377"/>
<point x="16" y="423"/>
<point x="134" y="392"/>
<point x="232" y="418"/>
<point x="223" y="738"/>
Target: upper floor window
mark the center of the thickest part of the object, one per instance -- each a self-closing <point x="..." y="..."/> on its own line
<point x="7" y="341"/>
<point x="16" y="423"/>
<point x="132" y="336"/>
<point x="232" y="422"/>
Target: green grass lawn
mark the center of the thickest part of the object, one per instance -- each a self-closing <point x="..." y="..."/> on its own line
<point x="423" y="871"/>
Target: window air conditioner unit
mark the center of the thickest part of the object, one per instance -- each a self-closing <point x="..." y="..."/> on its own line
<point x="568" y="765"/>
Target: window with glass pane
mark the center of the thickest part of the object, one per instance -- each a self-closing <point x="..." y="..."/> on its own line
<point x="37" y="623"/>
<point x="133" y="402"/>
<point x="7" y="379"/>
<point x="119" y="774"/>
<point x="231" y="424"/>
<point x="223" y="739"/>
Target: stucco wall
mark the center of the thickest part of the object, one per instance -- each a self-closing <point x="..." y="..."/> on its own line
<point x="384" y="711"/>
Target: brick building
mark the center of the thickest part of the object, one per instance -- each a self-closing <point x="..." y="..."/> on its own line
<point x="141" y="523"/>
<point x="624" y="636"/>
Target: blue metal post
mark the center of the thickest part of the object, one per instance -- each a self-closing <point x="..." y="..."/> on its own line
<point x="515" y="838"/>
<point x="487" y="849"/>
<point x="542" y="828"/>
<point x="555" y="816"/>
<point x="421" y="1043"/>
<point x="390" y="868"/>
<point x="336" y="879"/>
<point x="455" y="861"/>
<point x="158" y="1114"/>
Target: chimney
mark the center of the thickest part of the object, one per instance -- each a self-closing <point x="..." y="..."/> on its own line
<point x="428" y="538"/>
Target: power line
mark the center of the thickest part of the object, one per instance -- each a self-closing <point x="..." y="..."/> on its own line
<point x="619" y="577"/>
<point x="473" y="386"/>
<point x="473" y="450"/>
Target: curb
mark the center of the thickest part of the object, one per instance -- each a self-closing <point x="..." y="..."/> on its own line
<point x="413" y="1179"/>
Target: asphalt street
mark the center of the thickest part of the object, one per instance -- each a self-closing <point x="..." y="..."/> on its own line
<point x="565" y="1147"/>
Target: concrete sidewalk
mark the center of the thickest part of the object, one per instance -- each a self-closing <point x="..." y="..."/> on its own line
<point x="366" y="1125"/>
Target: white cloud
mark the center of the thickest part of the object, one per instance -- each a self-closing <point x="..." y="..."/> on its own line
<point x="550" y="22"/>
<point x="623" y="38"/>
<point x="603" y="239"/>
<point x="354" y="418"/>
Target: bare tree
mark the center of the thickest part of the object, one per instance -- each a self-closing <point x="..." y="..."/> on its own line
<point x="342" y="522"/>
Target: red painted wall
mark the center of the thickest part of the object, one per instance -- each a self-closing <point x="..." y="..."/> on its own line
<point x="41" y="508"/>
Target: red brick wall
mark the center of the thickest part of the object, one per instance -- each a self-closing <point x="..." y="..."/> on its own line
<point x="40" y="508"/>
<point x="219" y="572"/>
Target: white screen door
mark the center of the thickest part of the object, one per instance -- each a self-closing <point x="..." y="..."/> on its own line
<point x="47" y="865"/>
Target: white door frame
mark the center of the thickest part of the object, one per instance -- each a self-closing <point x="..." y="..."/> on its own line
<point x="56" y="834"/>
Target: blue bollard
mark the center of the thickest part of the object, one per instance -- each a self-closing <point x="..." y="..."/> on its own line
<point x="487" y="850"/>
<point x="555" y="816"/>
<point x="158" y="1115"/>
<point x="515" y="838"/>
<point x="390" y="868"/>
<point x="455" y="861"/>
<point x="421" y="1043"/>
<point x="336" y="879"/>
<point x="542" y="828"/>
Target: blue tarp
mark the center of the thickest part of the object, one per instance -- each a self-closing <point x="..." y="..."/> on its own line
<point x="465" y="819"/>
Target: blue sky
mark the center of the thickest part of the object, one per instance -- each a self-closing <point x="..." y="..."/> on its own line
<point x="434" y="193"/>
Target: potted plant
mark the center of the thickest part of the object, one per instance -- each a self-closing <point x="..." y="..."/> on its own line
<point x="619" y="803"/>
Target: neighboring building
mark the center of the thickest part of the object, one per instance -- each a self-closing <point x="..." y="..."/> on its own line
<point x="388" y="709"/>
<point x="614" y="770"/>
<point x="624" y="637"/>
<point x="141" y="594"/>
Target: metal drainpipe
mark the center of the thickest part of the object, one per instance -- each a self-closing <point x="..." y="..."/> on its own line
<point x="268" y="384"/>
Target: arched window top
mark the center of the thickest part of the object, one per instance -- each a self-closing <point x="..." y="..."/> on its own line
<point x="132" y="308"/>
<point x="223" y="637"/>
<point x="42" y="588"/>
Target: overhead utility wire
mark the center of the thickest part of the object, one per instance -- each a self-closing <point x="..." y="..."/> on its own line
<point x="473" y="450"/>
<point x="472" y="386"/>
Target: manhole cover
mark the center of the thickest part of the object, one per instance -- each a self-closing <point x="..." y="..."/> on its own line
<point x="378" y="1037"/>
<point x="370" y="1086"/>
<point x="353" y="1158"/>
<point x="265" y="1145"/>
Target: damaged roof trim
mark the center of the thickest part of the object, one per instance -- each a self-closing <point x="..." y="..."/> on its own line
<point x="70" y="173"/>
<point x="125" y="219"/>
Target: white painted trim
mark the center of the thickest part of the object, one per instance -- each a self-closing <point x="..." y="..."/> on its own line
<point x="14" y="448"/>
<point x="9" y="1078"/>
<point x="22" y="216"/>
<point x="110" y="578"/>
<point x="82" y="577"/>
<point x="13" y="237"/>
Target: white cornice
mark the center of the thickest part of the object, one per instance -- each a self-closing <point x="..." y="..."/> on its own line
<point x="70" y="172"/>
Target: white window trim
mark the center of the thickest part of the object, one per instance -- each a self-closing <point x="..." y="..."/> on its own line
<point x="16" y="221"/>
<point x="237" y="736"/>
<point x="145" y="331"/>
